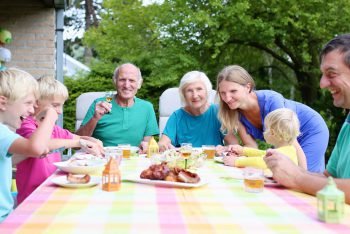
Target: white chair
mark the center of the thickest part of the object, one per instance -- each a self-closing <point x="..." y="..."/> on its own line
<point x="82" y="105"/>
<point x="169" y="102"/>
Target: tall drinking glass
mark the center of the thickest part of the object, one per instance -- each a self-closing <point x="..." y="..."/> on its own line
<point x="186" y="151"/>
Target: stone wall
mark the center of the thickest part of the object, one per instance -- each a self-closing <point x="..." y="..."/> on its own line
<point x="32" y="25"/>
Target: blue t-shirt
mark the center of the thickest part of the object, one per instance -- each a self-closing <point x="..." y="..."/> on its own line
<point x="204" y="129"/>
<point x="339" y="163"/>
<point x="314" y="132"/>
<point x="124" y="124"/>
<point x="7" y="137"/>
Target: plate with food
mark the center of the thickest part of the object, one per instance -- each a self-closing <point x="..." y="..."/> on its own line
<point x="219" y="159"/>
<point x="76" y="181"/>
<point x="80" y="166"/>
<point x="113" y="149"/>
<point x="165" y="176"/>
<point x="269" y="181"/>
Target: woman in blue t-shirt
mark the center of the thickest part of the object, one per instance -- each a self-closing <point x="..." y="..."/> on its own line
<point x="243" y="109"/>
<point x="197" y="121"/>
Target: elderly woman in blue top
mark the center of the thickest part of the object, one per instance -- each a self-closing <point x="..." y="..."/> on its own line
<point x="197" y="121"/>
<point x="243" y="109"/>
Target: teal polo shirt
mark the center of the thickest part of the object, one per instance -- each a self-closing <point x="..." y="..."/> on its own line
<point x="124" y="125"/>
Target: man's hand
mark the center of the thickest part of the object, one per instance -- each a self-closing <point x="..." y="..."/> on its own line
<point x="143" y="147"/>
<point x="285" y="172"/>
<point x="101" y="109"/>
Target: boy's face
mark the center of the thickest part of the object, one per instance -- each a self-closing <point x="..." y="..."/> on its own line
<point x="57" y="103"/>
<point x="15" y="112"/>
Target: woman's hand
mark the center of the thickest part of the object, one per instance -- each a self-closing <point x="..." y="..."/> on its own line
<point x="143" y="147"/>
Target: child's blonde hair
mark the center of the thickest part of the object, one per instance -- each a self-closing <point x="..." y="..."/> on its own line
<point x="50" y="88"/>
<point x="16" y="84"/>
<point x="284" y="123"/>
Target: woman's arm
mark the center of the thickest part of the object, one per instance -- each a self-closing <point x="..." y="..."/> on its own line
<point x="247" y="140"/>
<point x="164" y="143"/>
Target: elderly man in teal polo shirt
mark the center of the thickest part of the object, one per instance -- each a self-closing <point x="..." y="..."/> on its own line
<point x="126" y="119"/>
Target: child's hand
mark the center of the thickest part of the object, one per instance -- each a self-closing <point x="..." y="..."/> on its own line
<point x="220" y="149"/>
<point x="48" y="112"/>
<point x="230" y="160"/>
<point x="91" y="147"/>
<point x="235" y="149"/>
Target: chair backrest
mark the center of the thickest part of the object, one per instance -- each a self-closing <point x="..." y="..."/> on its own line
<point x="82" y="105"/>
<point x="169" y="102"/>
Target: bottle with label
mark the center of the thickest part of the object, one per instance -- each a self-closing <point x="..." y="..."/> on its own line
<point x="153" y="147"/>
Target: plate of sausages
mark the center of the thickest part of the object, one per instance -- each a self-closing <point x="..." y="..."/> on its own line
<point x="76" y="181"/>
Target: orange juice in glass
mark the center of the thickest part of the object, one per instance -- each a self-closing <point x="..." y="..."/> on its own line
<point x="126" y="150"/>
<point x="186" y="151"/>
<point x="253" y="179"/>
<point x="209" y="150"/>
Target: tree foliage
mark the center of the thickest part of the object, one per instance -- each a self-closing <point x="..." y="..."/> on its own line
<point x="278" y="42"/>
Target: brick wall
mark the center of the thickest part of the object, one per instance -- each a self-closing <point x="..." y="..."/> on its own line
<point x="32" y="25"/>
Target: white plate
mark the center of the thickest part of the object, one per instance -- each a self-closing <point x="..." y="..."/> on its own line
<point x="219" y="159"/>
<point x="92" y="166"/>
<point x="163" y="183"/>
<point x="270" y="182"/>
<point x="62" y="181"/>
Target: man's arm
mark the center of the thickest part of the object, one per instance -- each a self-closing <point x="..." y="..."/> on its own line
<point x="101" y="109"/>
<point x="88" y="128"/>
<point x="286" y="173"/>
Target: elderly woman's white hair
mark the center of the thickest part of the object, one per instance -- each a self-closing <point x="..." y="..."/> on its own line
<point x="191" y="77"/>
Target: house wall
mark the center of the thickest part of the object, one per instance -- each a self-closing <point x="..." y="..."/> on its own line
<point x="32" y="25"/>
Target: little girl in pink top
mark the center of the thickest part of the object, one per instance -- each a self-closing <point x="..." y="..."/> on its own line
<point x="31" y="172"/>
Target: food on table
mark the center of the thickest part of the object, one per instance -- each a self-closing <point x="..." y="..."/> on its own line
<point x="78" y="179"/>
<point x="164" y="172"/>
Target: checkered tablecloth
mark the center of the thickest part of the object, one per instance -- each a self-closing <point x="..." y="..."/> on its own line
<point x="221" y="206"/>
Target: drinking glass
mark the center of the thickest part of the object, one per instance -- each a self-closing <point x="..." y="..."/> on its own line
<point x="109" y="97"/>
<point x="209" y="150"/>
<point x="186" y="151"/>
<point x="126" y="150"/>
<point x="253" y="179"/>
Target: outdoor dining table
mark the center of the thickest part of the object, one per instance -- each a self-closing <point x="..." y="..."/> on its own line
<point x="221" y="206"/>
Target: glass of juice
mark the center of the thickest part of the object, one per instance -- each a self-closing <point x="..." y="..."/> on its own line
<point x="253" y="179"/>
<point x="209" y="150"/>
<point x="109" y="97"/>
<point x="126" y="148"/>
<point x="186" y="151"/>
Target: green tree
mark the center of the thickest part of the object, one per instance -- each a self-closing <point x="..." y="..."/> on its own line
<point x="278" y="42"/>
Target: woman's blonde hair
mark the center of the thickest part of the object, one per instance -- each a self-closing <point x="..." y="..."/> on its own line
<point x="237" y="74"/>
<point x="49" y="88"/>
<point x="284" y="124"/>
<point x="191" y="77"/>
<point x="16" y="84"/>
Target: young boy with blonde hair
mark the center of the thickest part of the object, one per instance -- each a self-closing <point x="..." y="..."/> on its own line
<point x="281" y="130"/>
<point x="52" y="94"/>
<point x="18" y="92"/>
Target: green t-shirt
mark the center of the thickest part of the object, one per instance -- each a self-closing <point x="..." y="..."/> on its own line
<point x="124" y="125"/>
<point x="339" y="163"/>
